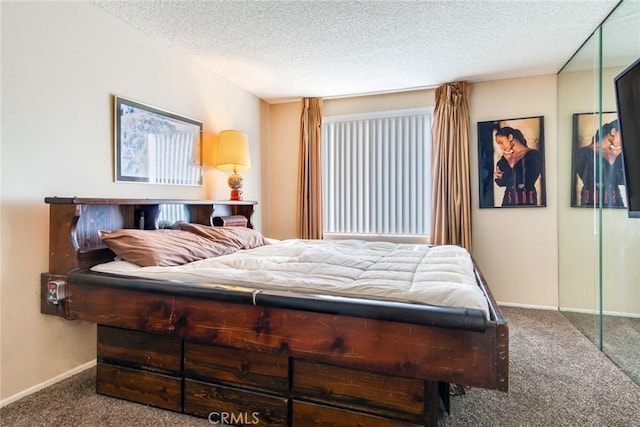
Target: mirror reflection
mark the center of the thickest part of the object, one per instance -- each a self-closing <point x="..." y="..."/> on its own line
<point x="599" y="244"/>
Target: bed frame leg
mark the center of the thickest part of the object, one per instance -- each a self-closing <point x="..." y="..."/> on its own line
<point x="431" y="392"/>
<point x="445" y="396"/>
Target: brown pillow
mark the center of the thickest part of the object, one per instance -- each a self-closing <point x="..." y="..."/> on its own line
<point x="161" y="247"/>
<point x="236" y="237"/>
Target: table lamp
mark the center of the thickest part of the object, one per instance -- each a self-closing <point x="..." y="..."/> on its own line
<point x="233" y="155"/>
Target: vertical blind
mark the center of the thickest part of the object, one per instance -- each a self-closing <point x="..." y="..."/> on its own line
<point x="376" y="173"/>
<point x="174" y="158"/>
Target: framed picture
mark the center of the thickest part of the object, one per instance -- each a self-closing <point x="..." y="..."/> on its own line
<point x="155" y="146"/>
<point x="597" y="171"/>
<point x="511" y="163"/>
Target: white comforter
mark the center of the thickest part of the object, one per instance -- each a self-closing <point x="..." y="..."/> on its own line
<point x="435" y="275"/>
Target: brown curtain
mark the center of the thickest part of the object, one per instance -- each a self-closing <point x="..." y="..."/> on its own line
<point x="310" y="170"/>
<point x="451" y="192"/>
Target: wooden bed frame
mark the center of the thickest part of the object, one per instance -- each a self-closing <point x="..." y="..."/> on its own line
<point x="269" y="359"/>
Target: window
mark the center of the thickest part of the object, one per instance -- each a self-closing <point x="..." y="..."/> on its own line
<point x="376" y="174"/>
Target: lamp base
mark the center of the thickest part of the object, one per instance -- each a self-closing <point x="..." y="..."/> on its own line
<point x="235" y="183"/>
<point x="236" y="194"/>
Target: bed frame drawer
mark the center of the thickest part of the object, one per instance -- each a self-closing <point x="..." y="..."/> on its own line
<point x="153" y="389"/>
<point x="139" y="350"/>
<point x="231" y="365"/>
<point x="214" y="401"/>
<point x="307" y="414"/>
<point x="394" y="397"/>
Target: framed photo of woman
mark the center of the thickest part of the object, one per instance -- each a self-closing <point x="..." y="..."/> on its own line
<point x="511" y="163"/>
<point x="597" y="171"/>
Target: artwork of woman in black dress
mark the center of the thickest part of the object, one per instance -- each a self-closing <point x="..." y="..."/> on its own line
<point x="511" y="162"/>
<point x="518" y="169"/>
<point x="599" y="167"/>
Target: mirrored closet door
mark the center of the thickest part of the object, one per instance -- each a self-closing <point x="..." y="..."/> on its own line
<point x="599" y="245"/>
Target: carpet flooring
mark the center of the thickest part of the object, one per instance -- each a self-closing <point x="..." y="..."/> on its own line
<point x="621" y="338"/>
<point x="557" y="378"/>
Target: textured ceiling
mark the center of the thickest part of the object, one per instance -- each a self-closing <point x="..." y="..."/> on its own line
<point x="280" y="50"/>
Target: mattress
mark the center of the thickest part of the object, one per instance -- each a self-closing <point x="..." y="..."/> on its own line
<point x="421" y="274"/>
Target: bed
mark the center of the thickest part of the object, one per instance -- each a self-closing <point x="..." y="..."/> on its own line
<point x="239" y="354"/>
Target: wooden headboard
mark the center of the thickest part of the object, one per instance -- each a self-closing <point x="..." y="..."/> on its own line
<point x="74" y="223"/>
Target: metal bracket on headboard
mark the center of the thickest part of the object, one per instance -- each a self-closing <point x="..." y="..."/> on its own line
<point x="47" y="305"/>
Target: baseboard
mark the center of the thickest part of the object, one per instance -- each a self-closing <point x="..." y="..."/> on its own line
<point x="569" y="309"/>
<point x="38" y="387"/>
<point x="597" y="312"/>
<point x="537" y="307"/>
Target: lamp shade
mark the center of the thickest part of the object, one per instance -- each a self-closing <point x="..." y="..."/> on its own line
<point x="233" y="151"/>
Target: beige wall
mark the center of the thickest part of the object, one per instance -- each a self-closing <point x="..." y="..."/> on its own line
<point x="61" y="63"/>
<point x="381" y="102"/>
<point x="282" y="170"/>
<point x="516" y="249"/>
